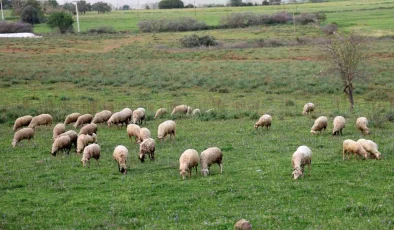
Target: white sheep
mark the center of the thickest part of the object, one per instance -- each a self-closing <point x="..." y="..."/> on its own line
<point x="181" y="109"/>
<point x="120" y="118"/>
<point x="144" y="134"/>
<point x="187" y="161"/>
<point x="319" y="125"/>
<point x="42" y="119"/>
<point x="371" y="147"/>
<point x="22" y="134"/>
<point x="88" y="129"/>
<point x="58" y="129"/>
<point x="126" y="115"/>
<point x="308" y="108"/>
<point x="196" y="112"/>
<point x="71" y="118"/>
<point x="210" y="156"/>
<point x="120" y="155"/>
<point x="133" y="130"/>
<point x="160" y="112"/>
<point x="61" y="143"/>
<point x="21" y="122"/>
<point x="189" y="110"/>
<point x="148" y="146"/>
<point x="83" y="119"/>
<point x="338" y="125"/>
<point x="264" y="120"/>
<point x="350" y="146"/>
<point x="167" y="127"/>
<point x="242" y="224"/>
<point x="84" y="139"/>
<point x="301" y="157"/>
<point x="361" y="124"/>
<point x="102" y="117"/>
<point x="91" y="151"/>
<point x="73" y="136"/>
<point x="138" y="116"/>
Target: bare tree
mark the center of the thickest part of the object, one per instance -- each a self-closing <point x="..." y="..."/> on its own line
<point x="346" y="55"/>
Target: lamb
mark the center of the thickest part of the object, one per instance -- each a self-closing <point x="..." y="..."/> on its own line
<point x="91" y="151"/>
<point x="138" y="116"/>
<point x="83" y="119"/>
<point x="308" y="108"/>
<point x="22" y="121"/>
<point x="83" y="140"/>
<point x="182" y="109"/>
<point x="71" y="118"/>
<point x="210" y="156"/>
<point x="319" y="125"/>
<point x="264" y="120"/>
<point x="160" y="112"/>
<point x="350" y="146"/>
<point x="167" y="127"/>
<point x="361" y="124"/>
<point x="102" y="117"/>
<point x="61" y="143"/>
<point x="339" y="124"/>
<point x="301" y="157"/>
<point x="187" y="161"/>
<point x="58" y="129"/>
<point x="143" y="135"/>
<point x="371" y="147"/>
<point x="24" y="133"/>
<point x="148" y="146"/>
<point x="88" y="129"/>
<point x="243" y="224"/>
<point x="42" y="119"/>
<point x="133" y="130"/>
<point x="196" y="112"/>
<point x="120" y="155"/>
<point x="73" y="136"/>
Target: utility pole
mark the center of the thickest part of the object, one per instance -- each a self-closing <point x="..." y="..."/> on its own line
<point x="2" y="12"/>
<point x="76" y="8"/>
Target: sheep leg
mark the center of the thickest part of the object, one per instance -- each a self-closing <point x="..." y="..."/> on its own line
<point x="309" y="167"/>
<point x="343" y="154"/>
<point x="221" y="168"/>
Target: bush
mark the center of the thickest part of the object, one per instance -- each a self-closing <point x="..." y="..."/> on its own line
<point x="15" y="27"/>
<point x="240" y="20"/>
<point x="171" y="25"/>
<point x="329" y="29"/>
<point x="61" y="20"/>
<point x="193" y="40"/>
<point x="170" y="4"/>
<point x="305" y="18"/>
<point x="30" y="15"/>
<point x="102" y="30"/>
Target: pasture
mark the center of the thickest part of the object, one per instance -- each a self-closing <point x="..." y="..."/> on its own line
<point x="88" y="73"/>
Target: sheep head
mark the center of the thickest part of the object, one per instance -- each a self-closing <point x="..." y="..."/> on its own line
<point x="204" y="172"/>
<point x="297" y="173"/>
<point x="183" y="173"/>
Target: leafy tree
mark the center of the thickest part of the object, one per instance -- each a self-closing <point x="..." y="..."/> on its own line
<point x="189" y="5"/>
<point x="69" y="7"/>
<point x="265" y="3"/>
<point x="101" y="7"/>
<point x="170" y="4"/>
<point x="235" y="2"/>
<point x="52" y="3"/>
<point x="126" y="7"/>
<point x="30" y="15"/>
<point x="83" y="6"/>
<point x="275" y="2"/>
<point x="61" y="20"/>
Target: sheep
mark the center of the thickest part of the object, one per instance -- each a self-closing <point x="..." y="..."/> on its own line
<point x="73" y="136"/>
<point x="22" y="121"/>
<point x="210" y="156"/>
<point x="350" y="146"/>
<point x="138" y="116"/>
<point x="91" y="151"/>
<point x="182" y="109"/>
<point x="71" y="118"/>
<point x="339" y="124"/>
<point x="264" y="120"/>
<point x="42" y="119"/>
<point x="24" y="133"/>
<point x="61" y="143"/>
<point x="83" y="119"/>
<point x="88" y="129"/>
<point x="319" y="125"/>
<point x="361" y="124"/>
<point x="167" y="127"/>
<point x="301" y="157"/>
<point x="148" y="146"/>
<point x="189" y="110"/>
<point x="371" y="147"/>
<point x="196" y="112"/>
<point x="308" y="108"/>
<point x="242" y="224"/>
<point x="187" y="161"/>
<point x="120" y="156"/>
<point x="58" y="129"/>
<point x="102" y="117"/>
<point x="144" y="134"/>
<point x="122" y="117"/>
<point x="160" y="112"/>
<point x="126" y="115"/>
<point x="133" y="130"/>
<point x="83" y="140"/>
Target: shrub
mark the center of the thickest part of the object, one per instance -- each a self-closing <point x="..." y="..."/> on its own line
<point x="15" y="27"/>
<point x="30" y="15"/>
<point x="305" y="18"/>
<point x="102" y="30"/>
<point x="194" y="40"/>
<point x="61" y="20"/>
<point x="329" y="28"/>
<point x="170" y="4"/>
<point x="240" y="20"/>
<point x="171" y="25"/>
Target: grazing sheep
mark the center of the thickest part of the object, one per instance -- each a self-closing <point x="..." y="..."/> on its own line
<point x="361" y="124"/>
<point x="319" y="125"/>
<point x="243" y="224"/>
<point x="73" y="136"/>
<point x="144" y="134"/>
<point x="24" y="133"/>
<point x="83" y="119"/>
<point x="22" y="121"/>
<point x="196" y="112"/>
<point x="181" y="109"/>
<point x="120" y="155"/>
<point x="133" y="130"/>
<point x="187" y="161"/>
<point x="138" y="116"/>
<point x="120" y="118"/>
<point x="189" y="110"/>
<point x="301" y="157"/>
<point x="167" y="127"/>
<point x="264" y="120"/>
<point x="58" y="129"/>
<point x="91" y="151"/>
<point x="350" y="146"/>
<point x="126" y="115"/>
<point x="210" y="156"/>
<point x="61" y="143"/>
<point x="160" y="112"/>
<point x="339" y="124"/>
<point x="371" y="147"/>
<point x="88" y="129"/>
<point x="42" y="119"/>
<point x="83" y="140"/>
<point x="308" y="108"/>
<point x="148" y="146"/>
<point x="71" y="118"/>
<point x="101" y="117"/>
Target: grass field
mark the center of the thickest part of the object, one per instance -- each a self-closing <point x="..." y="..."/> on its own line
<point x="88" y="73"/>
